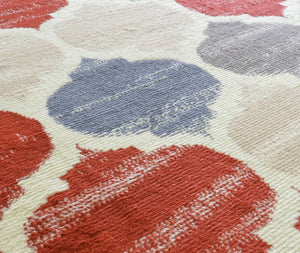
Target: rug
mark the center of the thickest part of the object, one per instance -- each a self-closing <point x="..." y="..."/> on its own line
<point x="149" y="126"/>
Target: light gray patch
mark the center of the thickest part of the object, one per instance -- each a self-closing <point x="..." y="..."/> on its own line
<point x="252" y="49"/>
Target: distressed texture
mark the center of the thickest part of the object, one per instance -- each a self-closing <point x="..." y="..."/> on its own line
<point x="20" y="68"/>
<point x="235" y="7"/>
<point x="269" y="128"/>
<point x="27" y="13"/>
<point x="252" y="48"/>
<point x="120" y="97"/>
<point x="24" y="146"/>
<point x="130" y="201"/>
<point x="145" y="26"/>
<point x="147" y="102"/>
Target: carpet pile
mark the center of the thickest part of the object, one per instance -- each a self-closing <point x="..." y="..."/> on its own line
<point x="149" y="126"/>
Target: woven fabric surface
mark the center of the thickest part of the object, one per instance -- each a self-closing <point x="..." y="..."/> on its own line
<point x="149" y="126"/>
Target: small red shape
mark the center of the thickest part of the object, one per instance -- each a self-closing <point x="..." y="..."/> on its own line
<point x="180" y="199"/>
<point x="27" y="13"/>
<point x="235" y="7"/>
<point x="24" y="145"/>
<point x="297" y="225"/>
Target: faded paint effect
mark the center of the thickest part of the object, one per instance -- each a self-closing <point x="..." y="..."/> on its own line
<point x="236" y="7"/>
<point x="24" y="146"/>
<point x="130" y="201"/>
<point x="22" y="59"/>
<point x="269" y="129"/>
<point x="252" y="49"/>
<point x="120" y="97"/>
<point x="27" y="13"/>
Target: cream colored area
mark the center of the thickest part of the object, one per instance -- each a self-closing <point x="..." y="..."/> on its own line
<point x="280" y="232"/>
<point x="230" y="105"/>
<point x="145" y="26"/>
<point x="23" y="57"/>
<point x="269" y="127"/>
<point x="292" y="9"/>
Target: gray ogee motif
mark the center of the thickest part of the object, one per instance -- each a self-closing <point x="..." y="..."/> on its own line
<point x="252" y="49"/>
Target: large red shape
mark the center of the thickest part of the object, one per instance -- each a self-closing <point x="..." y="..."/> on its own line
<point x="180" y="199"/>
<point x="24" y="145"/>
<point x="235" y="7"/>
<point x="27" y="13"/>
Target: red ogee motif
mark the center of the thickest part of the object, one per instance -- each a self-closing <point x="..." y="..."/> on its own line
<point x="27" y="13"/>
<point x="24" y="146"/>
<point x="235" y="7"/>
<point x="176" y="199"/>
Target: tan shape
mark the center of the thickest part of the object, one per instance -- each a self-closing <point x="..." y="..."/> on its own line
<point x="22" y="59"/>
<point x="269" y="129"/>
<point x="146" y="26"/>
